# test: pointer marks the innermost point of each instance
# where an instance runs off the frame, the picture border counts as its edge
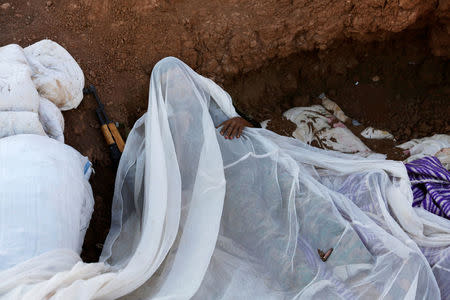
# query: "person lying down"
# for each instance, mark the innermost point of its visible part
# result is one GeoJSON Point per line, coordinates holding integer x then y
{"type": "Point", "coordinates": [236, 212]}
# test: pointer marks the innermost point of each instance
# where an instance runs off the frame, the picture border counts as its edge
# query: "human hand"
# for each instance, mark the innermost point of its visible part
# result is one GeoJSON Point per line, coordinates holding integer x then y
{"type": "Point", "coordinates": [233, 127]}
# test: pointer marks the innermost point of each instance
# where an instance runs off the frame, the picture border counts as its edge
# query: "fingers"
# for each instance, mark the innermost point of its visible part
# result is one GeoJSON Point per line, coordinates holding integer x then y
{"type": "Point", "coordinates": [235, 131]}
{"type": "Point", "coordinates": [225, 126]}
{"type": "Point", "coordinates": [241, 128]}
{"type": "Point", "coordinates": [233, 128]}
{"type": "Point", "coordinates": [229, 131]}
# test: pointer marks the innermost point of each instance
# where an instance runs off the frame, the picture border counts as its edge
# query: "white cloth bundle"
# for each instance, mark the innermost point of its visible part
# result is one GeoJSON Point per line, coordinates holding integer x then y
{"type": "Point", "coordinates": [376, 134]}
{"type": "Point", "coordinates": [437, 145]}
{"type": "Point", "coordinates": [316, 125]}
{"type": "Point", "coordinates": [17, 91]}
{"type": "Point", "coordinates": [19, 99]}
{"type": "Point", "coordinates": [35, 83]}
{"type": "Point", "coordinates": [197, 216]}
{"type": "Point", "coordinates": [56, 74]}
{"type": "Point", "coordinates": [52, 119]}
{"type": "Point", "coordinates": [19, 122]}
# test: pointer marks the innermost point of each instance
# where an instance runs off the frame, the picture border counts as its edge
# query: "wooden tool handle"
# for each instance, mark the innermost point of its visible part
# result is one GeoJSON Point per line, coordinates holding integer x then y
{"type": "Point", "coordinates": [116, 135]}
{"type": "Point", "coordinates": [108, 137]}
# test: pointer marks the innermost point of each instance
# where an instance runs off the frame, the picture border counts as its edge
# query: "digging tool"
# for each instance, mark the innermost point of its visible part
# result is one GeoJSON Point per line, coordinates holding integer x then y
{"type": "Point", "coordinates": [109, 129]}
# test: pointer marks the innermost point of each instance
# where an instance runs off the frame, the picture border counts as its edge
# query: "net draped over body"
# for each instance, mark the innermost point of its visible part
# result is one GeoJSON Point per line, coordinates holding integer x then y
{"type": "Point", "coordinates": [198, 216]}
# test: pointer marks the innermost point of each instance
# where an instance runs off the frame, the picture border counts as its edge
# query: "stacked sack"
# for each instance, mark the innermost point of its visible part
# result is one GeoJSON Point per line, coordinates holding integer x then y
{"type": "Point", "coordinates": [46, 200]}
{"type": "Point", "coordinates": [35, 84]}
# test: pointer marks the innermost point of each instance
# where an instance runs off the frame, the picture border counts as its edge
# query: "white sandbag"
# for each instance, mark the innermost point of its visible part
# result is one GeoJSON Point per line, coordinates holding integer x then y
{"type": "Point", "coordinates": [56, 74]}
{"type": "Point", "coordinates": [376, 134]}
{"type": "Point", "coordinates": [51, 119]}
{"type": "Point", "coordinates": [17, 91]}
{"type": "Point", "coordinates": [45, 198]}
{"type": "Point", "coordinates": [434, 145]}
{"type": "Point", "coordinates": [19, 122]}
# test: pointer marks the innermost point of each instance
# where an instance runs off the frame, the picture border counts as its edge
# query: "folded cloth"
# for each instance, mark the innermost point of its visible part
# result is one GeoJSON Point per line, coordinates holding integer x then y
{"type": "Point", "coordinates": [430, 183]}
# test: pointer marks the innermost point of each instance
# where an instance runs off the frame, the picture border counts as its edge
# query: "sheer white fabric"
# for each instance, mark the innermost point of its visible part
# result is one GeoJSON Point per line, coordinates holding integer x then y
{"type": "Point", "coordinates": [198, 216]}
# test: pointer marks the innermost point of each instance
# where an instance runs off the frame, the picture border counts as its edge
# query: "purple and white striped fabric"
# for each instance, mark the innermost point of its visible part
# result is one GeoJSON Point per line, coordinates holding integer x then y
{"type": "Point", "coordinates": [430, 183]}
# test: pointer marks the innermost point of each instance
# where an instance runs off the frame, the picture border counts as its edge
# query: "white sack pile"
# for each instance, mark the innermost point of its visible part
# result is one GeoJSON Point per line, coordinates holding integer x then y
{"type": "Point", "coordinates": [35, 83]}
{"type": "Point", "coordinates": [46, 200]}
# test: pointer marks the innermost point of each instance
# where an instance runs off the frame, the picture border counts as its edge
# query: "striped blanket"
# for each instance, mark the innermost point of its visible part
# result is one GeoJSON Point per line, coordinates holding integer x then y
{"type": "Point", "coordinates": [430, 183]}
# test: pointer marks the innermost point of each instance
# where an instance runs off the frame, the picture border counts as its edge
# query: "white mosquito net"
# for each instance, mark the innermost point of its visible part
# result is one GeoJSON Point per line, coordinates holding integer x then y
{"type": "Point", "coordinates": [198, 216]}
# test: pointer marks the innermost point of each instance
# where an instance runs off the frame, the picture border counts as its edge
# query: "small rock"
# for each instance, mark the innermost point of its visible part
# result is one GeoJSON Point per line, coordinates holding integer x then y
{"type": "Point", "coordinates": [376, 78]}
{"type": "Point", "coordinates": [49, 3]}
{"type": "Point", "coordinates": [5, 5]}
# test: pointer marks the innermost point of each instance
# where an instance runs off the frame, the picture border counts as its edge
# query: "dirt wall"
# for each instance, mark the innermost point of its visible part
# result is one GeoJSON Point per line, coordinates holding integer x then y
{"type": "Point", "coordinates": [218, 38]}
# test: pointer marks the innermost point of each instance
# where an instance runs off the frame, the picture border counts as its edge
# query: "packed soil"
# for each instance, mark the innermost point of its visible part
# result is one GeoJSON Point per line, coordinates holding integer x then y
{"type": "Point", "coordinates": [375, 61]}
